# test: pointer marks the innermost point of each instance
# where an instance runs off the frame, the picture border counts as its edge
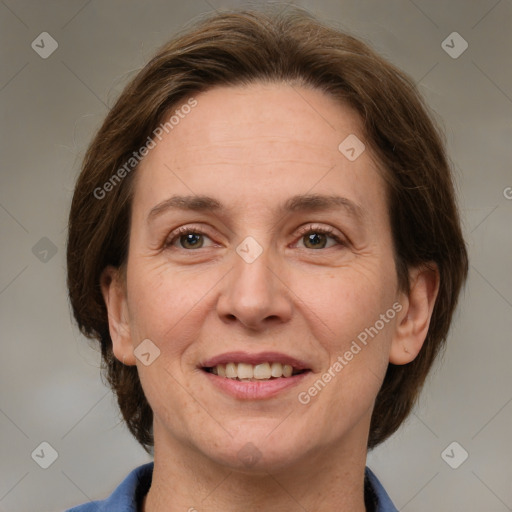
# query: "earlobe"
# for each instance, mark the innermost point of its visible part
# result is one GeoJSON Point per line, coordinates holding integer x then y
{"type": "Point", "coordinates": [114, 295]}
{"type": "Point", "coordinates": [412, 326]}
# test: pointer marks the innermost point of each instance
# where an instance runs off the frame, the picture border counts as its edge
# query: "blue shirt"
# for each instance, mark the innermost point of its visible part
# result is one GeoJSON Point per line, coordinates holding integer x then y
{"type": "Point", "coordinates": [128, 496]}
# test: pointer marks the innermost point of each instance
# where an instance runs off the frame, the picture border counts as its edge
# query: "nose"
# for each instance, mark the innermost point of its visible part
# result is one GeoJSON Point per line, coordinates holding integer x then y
{"type": "Point", "coordinates": [255, 294]}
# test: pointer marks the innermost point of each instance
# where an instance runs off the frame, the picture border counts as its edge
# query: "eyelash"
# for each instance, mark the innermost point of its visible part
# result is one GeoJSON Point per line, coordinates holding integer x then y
{"type": "Point", "coordinates": [325, 231]}
{"type": "Point", "coordinates": [304, 231]}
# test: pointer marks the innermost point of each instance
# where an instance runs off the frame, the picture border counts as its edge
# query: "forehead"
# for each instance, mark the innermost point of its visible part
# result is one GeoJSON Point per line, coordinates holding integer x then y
{"type": "Point", "coordinates": [307, 122]}
{"type": "Point", "coordinates": [258, 144]}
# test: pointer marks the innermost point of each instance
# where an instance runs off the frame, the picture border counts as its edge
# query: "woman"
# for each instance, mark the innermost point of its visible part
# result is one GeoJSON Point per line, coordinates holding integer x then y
{"type": "Point", "coordinates": [265, 241]}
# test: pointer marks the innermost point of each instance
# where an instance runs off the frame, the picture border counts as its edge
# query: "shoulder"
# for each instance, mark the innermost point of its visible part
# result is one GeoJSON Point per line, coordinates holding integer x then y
{"type": "Point", "coordinates": [376, 497]}
{"type": "Point", "coordinates": [126, 497]}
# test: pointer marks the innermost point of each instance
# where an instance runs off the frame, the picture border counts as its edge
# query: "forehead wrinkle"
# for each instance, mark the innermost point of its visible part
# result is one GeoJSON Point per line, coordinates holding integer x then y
{"type": "Point", "coordinates": [243, 163]}
{"type": "Point", "coordinates": [241, 142]}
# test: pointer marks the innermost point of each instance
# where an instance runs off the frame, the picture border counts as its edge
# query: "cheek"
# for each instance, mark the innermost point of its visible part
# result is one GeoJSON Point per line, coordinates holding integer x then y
{"type": "Point", "coordinates": [357, 305]}
{"type": "Point", "coordinates": [351, 299]}
{"type": "Point", "coordinates": [161, 297]}
{"type": "Point", "coordinates": [357, 344]}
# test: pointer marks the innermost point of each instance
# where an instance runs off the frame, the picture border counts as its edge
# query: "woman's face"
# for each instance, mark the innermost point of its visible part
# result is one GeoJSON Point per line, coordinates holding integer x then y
{"type": "Point", "coordinates": [256, 175]}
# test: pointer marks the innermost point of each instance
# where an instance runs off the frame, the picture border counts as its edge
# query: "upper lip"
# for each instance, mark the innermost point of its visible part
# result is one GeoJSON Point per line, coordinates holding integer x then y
{"type": "Point", "coordinates": [254, 359]}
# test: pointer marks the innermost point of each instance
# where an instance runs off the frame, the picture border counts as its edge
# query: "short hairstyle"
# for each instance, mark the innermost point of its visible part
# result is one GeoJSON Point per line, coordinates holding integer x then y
{"type": "Point", "coordinates": [266, 46]}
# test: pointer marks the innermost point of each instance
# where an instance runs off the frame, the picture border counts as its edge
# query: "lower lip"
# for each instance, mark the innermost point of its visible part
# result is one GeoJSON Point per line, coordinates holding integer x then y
{"type": "Point", "coordinates": [254, 390]}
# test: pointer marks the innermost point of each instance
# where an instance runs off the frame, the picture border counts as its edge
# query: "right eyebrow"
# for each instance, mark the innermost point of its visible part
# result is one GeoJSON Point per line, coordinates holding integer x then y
{"type": "Point", "coordinates": [194, 203]}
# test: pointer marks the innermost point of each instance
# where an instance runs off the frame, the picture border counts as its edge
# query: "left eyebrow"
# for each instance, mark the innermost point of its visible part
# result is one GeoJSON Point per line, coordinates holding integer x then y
{"type": "Point", "coordinates": [319, 202]}
{"type": "Point", "coordinates": [301, 202]}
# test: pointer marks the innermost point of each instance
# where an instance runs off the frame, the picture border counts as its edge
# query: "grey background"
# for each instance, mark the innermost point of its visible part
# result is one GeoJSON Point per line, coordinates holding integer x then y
{"type": "Point", "coordinates": [50, 385]}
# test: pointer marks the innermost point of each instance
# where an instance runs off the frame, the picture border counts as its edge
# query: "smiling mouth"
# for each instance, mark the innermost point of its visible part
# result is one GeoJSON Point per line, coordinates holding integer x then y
{"type": "Point", "coordinates": [259, 372]}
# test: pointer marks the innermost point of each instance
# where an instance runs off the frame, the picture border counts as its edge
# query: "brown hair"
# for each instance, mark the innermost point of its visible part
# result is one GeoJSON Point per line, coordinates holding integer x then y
{"type": "Point", "coordinates": [243, 47]}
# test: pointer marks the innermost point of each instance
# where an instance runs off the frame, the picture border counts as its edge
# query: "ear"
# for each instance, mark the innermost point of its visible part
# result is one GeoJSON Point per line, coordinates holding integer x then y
{"type": "Point", "coordinates": [414, 320]}
{"type": "Point", "coordinates": [113, 288]}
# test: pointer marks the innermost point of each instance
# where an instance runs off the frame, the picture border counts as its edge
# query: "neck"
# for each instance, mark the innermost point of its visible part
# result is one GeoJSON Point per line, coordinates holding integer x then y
{"type": "Point", "coordinates": [186, 480]}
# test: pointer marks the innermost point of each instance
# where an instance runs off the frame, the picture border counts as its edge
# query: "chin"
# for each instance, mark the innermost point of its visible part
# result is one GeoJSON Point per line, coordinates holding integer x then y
{"type": "Point", "coordinates": [259, 451]}
{"type": "Point", "coordinates": [251, 460]}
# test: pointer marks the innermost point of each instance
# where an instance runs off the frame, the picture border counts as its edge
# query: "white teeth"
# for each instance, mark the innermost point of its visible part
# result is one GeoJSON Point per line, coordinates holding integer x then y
{"type": "Point", "coordinates": [277, 369]}
{"type": "Point", "coordinates": [244, 371]}
{"type": "Point", "coordinates": [231, 371]}
{"type": "Point", "coordinates": [262, 371]}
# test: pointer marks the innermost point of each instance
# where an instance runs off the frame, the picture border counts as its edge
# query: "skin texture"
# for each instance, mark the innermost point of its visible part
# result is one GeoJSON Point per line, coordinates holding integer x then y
{"type": "Point", "coordinates": [252, 148]}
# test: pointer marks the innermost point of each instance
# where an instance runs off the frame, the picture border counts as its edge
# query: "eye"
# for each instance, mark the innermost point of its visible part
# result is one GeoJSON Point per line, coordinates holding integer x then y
{"type": "Point", "coordinates": [315, 237]}
{"type": "Point", "coordinates": [188, 238]}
